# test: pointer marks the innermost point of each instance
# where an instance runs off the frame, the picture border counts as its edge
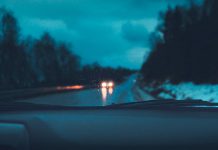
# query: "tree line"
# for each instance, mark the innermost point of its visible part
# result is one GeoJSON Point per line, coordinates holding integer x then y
{"type": "Point", "coordinates": [185, 45]}
{"type": "Point", "coordinates": [29, 62]}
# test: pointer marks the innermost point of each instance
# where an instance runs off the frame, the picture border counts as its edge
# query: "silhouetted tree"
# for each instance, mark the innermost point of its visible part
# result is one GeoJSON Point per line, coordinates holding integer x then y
{"type": "Point", "coordinates": [68, 63]}
{"type": "Point", "coordinates": [46, 61]}
{"type": "Point", "coordinates": [29, 62]}
{"type": "Point", "coordinates": [188, 49]}
{"type": "Point", "coordinates": [15, 71]}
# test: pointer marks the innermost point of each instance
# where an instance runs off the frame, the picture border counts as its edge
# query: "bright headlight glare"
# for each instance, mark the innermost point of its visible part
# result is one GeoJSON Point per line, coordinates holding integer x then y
{"type": "Point", "coordinates": [110, 84]}
{"type": "Point", "coordinates": [103, 84]}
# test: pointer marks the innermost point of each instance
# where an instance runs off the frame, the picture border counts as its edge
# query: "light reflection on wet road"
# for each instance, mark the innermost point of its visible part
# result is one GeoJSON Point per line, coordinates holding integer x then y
{"type": "Point", "coordinates": [110, 91]}
{"type": "Point", "coordinates": [106, 93]}
{"type": "Point", "coordinates": [122, 93]}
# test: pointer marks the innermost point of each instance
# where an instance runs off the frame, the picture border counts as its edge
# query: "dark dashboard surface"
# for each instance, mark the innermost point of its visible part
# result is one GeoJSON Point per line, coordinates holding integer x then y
{"type": "Point", "coordinates": [111, 128]}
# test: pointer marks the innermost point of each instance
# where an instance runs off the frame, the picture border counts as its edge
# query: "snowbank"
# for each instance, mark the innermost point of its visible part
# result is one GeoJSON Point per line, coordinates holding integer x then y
{"type": "Point", "coordinates": [187, 90]}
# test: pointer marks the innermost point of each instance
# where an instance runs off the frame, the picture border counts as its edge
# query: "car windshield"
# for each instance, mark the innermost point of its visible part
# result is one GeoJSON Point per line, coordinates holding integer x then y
{"type": "Point", "coordinates": [100, 53]}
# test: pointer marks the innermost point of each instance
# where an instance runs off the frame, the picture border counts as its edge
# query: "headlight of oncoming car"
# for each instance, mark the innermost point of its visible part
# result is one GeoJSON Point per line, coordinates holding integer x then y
{"type": "Point", "coordinates": [104, 84]}
{"type": "Point", "coordinates": [110, 84]}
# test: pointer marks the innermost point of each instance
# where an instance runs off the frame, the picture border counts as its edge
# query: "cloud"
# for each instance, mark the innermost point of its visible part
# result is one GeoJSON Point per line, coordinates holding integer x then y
{"type": "Point", "coordinates": [50, 24]}
{"type": "Point", "coordinates": [74, 10]}
{"type": "Point", "coordinates": [134, 32]}
{"type": "Point", "coordinates": [136, 55]}
{"type": "Point", "coordinates": [112, 32]}
{"type": "Point", "coordinates": [132, 58]}
{"type": "Point", "coordinates": [57, 28]}
{"type": "Point", "coordinates": [98, 41]}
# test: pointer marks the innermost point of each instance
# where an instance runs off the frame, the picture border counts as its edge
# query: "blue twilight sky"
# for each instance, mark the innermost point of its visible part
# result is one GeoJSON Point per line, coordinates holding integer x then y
{"type": "Point", "coordinates": [111, 32]}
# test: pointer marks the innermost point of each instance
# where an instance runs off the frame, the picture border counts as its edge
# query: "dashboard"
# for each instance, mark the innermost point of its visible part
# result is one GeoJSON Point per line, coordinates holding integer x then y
{"type": "Point", "coordinates": [108, 129]}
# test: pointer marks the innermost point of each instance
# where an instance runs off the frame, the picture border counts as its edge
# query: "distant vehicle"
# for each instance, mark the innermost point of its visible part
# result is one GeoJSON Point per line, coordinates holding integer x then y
{"type": "Point", "coordinates": [107, 84]}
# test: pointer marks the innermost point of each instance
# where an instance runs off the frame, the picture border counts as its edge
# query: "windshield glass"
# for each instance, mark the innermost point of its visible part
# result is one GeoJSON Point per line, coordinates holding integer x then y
{"type": "Point", "coordinates": [98, 53]}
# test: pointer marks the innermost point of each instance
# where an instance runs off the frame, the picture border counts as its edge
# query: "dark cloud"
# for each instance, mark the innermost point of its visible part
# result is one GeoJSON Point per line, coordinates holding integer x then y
{"type": "Point", "coordinates": [112, 32]}
{"type": "Point", "coordinates": [98, 9]}
{"type": "Point", "coordinates": [136, 33]}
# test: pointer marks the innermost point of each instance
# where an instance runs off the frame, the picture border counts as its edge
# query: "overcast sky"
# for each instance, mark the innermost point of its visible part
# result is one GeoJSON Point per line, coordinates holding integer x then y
{"type": "Point", "coordinates": [111, 32]}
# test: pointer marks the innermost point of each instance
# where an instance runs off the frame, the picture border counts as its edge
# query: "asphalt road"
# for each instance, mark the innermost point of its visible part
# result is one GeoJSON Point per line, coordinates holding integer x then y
{"type": "Point", "coordinates": [123, 93]}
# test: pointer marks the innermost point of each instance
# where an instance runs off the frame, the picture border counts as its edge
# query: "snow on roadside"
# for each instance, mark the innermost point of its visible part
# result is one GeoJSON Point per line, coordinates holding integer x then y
{"type": "Point", "coordinates": [188, 90]}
